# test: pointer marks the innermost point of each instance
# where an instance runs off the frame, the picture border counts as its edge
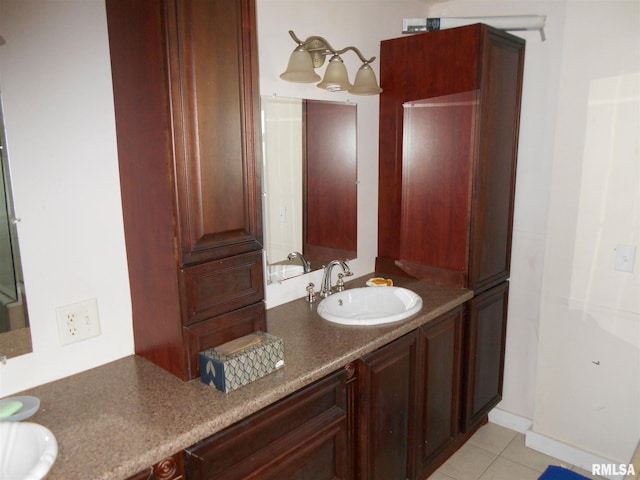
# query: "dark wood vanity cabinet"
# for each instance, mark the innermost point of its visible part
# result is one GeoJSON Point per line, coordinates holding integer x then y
{"type": "Point", "coordinates": [409, 408]}
{"type": "Point", "coordinates": [393, 414]}
{"type": "Point", "coordinates": [186, 105]}
{"type": "Point", "coordinates": [449, 118]}
{"type": "Point", "coordinates": [306, 436]}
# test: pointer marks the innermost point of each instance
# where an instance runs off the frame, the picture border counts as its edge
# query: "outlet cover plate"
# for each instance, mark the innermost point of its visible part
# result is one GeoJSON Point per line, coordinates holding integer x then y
{"type": "Point", "coordinates": [78, 321]}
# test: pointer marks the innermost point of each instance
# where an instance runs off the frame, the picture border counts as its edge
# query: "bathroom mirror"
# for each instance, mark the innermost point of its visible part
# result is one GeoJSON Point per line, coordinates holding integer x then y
{"type": "Point", "coordinates": [15, 337]}
{"type": "Point", "coordinates": [309, 183]}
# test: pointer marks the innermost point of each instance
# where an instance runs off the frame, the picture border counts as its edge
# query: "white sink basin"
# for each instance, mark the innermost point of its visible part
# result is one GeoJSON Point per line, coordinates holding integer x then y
{"type": "Point", "coordinates": [282, 272]}
{"type": "Point", "coordinates": [370, 305]}
{"type": "Point", "coordinates": [27, 451]}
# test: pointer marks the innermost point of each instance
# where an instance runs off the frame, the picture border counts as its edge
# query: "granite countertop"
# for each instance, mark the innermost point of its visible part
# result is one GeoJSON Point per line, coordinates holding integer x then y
{"type": "Point", "coordinates": [117, 419]}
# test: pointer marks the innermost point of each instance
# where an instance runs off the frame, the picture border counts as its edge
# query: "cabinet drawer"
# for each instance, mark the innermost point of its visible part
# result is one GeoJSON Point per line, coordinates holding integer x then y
{"type": "Point", "coordinates": [301, 436]}
{"type": "Point", "coordinates": [221, 286]}
{"type": "Point", "coordinates": [218, 330]}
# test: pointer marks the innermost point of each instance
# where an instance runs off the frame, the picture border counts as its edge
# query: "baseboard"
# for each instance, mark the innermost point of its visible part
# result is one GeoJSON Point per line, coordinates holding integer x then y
{"type": "Point", "coordinates": [510, 420]}
{"type": "Point", "coordinates": [549, 446]}
{"type": "Point", "coordinates": [568, 453]}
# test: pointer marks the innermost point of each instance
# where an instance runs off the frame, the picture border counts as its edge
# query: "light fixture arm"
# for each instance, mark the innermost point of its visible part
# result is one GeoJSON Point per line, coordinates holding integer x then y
{"type": "Point", "coordinates": [358, 52]}
{"type": "Point", "coordinates": [312, 52]}
{"type": "Point", "coordinates": [319, 45]}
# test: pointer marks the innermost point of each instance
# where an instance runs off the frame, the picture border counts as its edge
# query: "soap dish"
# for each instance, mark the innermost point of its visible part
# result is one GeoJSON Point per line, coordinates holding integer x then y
{"type": "Point", "coordinates": [379, 282]}
{"type": "Point", "coordinates": [30, 406]}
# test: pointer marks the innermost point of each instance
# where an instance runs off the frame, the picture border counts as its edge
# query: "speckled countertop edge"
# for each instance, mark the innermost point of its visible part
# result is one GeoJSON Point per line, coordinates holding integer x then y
{"type": "Point", "coordinates": [117, 419]}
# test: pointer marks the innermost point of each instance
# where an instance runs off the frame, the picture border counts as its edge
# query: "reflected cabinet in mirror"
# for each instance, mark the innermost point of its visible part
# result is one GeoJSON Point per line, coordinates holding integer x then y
{"type": "Point", "coordinates": [309, 185]}
{"type": "Point", "coordinates": [15, 337]}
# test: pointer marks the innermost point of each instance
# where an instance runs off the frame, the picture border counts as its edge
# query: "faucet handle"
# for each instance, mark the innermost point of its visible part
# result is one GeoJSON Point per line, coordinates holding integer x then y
{"type": "Point", "coordinates": [340, 284]}
{"type": "Point", "coordinates": [311, 294]}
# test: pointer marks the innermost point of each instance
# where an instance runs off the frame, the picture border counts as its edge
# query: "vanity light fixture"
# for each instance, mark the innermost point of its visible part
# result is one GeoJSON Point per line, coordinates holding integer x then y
{"type": "Point", "coordinates": [311, 54]}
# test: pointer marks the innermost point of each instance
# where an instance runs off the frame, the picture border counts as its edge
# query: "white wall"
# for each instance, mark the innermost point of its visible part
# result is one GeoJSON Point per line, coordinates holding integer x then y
{"type": "Point", "coordinates": [588, 387]}
{"type": "Point", "coordinates": [55, 82]}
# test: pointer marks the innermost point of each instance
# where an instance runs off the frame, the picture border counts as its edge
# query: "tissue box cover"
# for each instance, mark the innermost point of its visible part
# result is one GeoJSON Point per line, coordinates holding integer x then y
{"type": "Point", "coordinates": [228, 372]}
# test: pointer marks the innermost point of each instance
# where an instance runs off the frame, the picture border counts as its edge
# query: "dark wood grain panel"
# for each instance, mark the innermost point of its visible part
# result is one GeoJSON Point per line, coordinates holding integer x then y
{"type": "Point", "coordinates": [388, 390]}
{"type": "Point", "coordinates": [439, 406]}
{"type": "Point", "coordinates": [303, 436]}
{"type": "Point", "coordinates": [215, 114]}
{"type": "Point", "coordinates": [438, 156]}
{"type": "Point", "coordinates": [220, 286]}
{"type": "Point", "coordinates": [329, 184]}
{"type": "Point", "coordinates": [484, 356]}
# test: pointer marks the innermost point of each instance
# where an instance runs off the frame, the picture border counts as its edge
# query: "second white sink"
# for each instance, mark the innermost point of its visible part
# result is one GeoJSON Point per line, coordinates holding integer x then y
{"type": "Point", "coordinates": [27, 450]}
{"type": "Point", "coordinates": [370, 305]}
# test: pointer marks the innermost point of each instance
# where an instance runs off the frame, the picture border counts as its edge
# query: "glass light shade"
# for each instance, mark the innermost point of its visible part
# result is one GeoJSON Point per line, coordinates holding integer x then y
{"type": "Point", "coordinates": [365, 83]}
{"type": "Point", "coordinates": [336, 77]}
{"type": "Point", "coordinates": [300, 67]}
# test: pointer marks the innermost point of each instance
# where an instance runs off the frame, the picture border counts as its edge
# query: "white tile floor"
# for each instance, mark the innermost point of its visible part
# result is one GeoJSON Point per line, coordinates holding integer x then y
{"type": "Point", "coordinates": [497, 453]}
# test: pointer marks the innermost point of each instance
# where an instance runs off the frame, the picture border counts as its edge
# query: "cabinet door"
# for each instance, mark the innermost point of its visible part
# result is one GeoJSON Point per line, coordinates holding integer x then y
{"type": "Point", "coordinates": [386, 406]}
{"type": "Point", "coordinates": [302, 437]}
{"type": "Point", "coordinates": [213, 70]}
{"type": "Point", "coordinates": [495, 174]}
{"type": "Point", "coordinates": [439, 386]}
{"type": "Point", "coordinates": [484, 356]}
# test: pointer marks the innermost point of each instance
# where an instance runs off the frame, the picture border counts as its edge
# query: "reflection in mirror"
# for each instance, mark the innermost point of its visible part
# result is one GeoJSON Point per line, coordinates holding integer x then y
{"type": "Point", "coordinates": [15, 338]}
{"type": "Point", "coordinates": [309, 185]}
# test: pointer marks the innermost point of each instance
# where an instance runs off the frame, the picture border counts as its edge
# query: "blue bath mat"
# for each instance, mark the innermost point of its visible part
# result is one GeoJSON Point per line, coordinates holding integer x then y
{"type": "Point", "coordinates": [560, 473]}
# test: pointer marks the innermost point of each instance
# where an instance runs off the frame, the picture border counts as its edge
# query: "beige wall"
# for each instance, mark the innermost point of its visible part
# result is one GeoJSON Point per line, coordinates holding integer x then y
{"type": "Point", "coordinates": [588, 371]}
{"type": "Point", "coordinates": [55, 81]}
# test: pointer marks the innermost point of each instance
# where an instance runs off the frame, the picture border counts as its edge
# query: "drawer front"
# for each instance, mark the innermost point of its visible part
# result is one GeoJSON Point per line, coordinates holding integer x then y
{"type": "Point", "coordinates": [218, 330]}
{"type": "Point", "coordinates": [220, 286]}
{"type": "Point", "coordinates": [303, 434]}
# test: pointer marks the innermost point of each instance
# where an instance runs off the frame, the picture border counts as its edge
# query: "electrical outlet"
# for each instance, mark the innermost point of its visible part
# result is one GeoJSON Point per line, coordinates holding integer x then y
{"type": "Point", "coordinates": [78, 321]}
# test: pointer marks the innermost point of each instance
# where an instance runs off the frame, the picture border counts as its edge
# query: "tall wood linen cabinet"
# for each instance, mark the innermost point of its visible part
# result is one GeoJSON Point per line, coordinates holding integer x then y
{"type": "Point", "coordinates": [449, 119]}
{"type": "Point", "coordinates": [186, 102]}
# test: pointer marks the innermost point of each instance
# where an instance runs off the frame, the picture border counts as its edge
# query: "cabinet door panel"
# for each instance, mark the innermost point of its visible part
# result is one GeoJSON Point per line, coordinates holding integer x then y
{"type": "Point", "coordinates": [387, 404]}
{"type": "Point", "coordinates": [485, 344]}
{"type": "Point", "coordinates": [438, 420]}
{"type": "Point", "coordinates": [214, 106]}
{"type": "Point", "coordinates": [438, 156]}
{"type": "Point", "coordinates": [494, 185]}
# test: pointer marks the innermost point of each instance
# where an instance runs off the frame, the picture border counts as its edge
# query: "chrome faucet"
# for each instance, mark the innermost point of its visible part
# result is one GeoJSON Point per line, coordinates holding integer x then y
{"type": "Point", "coordinates": [306, 266]}
{"type": "Point", "coordinates": [326, 289]}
